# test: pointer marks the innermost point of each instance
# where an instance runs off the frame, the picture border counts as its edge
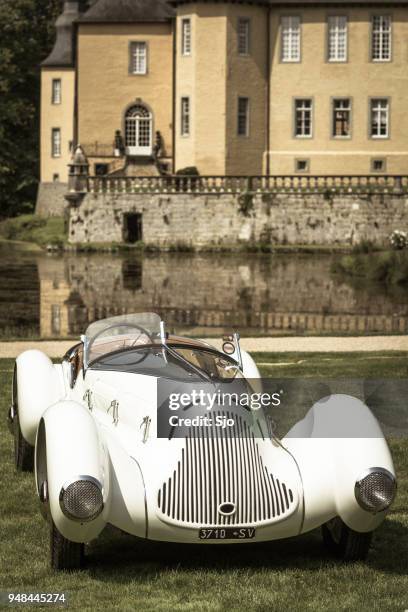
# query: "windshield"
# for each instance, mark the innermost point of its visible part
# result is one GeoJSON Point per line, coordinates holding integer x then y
{"type": "Point", "coordinates": [216, 366]}
{"type": "Point", "coordinates": [171, 361]}
{"type": "Point", "coordinates": [117, 333]}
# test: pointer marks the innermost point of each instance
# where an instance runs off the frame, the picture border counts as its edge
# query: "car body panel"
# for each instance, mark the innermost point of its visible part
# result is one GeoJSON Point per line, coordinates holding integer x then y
{"type": "Point", "coordinates": [102, 424]}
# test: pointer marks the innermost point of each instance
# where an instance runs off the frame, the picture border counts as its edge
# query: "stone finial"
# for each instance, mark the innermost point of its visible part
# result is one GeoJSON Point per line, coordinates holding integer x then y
{"type": "Point", "coordinates": [78, 174]}
{"type": "Point", "coordinates": [79, 158]}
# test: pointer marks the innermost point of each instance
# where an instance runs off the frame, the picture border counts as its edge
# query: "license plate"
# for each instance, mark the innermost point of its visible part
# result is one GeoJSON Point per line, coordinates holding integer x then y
{"type": "Point", "coordinates": [244, 533]}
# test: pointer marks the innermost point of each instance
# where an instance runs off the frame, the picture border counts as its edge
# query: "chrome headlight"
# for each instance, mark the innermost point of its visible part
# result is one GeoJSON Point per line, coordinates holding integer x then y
{"type": "Point", "coordinates": [376, 491]}
{"type": "Point", "coordinates": [82, 499]}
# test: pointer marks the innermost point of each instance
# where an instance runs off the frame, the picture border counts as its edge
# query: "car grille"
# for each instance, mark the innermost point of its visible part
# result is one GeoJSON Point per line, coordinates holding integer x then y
{"type": "Point", "coordinates": [216, 470]}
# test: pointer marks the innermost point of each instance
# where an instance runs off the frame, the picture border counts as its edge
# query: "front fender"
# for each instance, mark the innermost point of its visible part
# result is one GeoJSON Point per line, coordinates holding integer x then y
{"type": "Point", "coordinates": [39, 385]}
{"type": "Point", "coordinates": [335, 445]}
{"type": "Point", "coordinates": [68, 446]}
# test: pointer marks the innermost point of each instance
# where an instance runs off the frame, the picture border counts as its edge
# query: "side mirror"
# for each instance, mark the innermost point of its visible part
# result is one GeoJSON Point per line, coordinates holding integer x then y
{"type": "Point", "coordinates": [228, 347]}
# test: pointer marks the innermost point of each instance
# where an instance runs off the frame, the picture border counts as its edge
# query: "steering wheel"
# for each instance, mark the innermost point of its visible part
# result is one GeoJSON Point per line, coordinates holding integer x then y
{"type": "Point", "coordinates": [141, 329]}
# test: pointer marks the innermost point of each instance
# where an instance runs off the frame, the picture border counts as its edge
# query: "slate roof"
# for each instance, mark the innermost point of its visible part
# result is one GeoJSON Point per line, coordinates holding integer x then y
{"type": "Point", "coordinates": [128, 11]}
{"type": "Point", "coordinates": [299, 2]}
{"type": "Point", "coordinates": [62, 55]}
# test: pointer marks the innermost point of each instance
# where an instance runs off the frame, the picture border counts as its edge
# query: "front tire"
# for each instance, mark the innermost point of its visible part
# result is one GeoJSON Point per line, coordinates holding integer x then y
{"type": "Point", "coordinates": [23, 451]}
{"type": "Point", "coordinates": [65, 555]}
{"type": "Point", "coordinates": [344, 543]}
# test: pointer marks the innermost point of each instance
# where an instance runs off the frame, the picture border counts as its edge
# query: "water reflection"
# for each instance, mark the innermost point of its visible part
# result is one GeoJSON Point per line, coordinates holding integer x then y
{"type": "Point", "coordinates": [204, 294]}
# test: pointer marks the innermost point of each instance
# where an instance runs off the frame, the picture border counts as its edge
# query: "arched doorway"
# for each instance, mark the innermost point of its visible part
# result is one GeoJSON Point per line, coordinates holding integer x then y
{"type": "Point", "coordinates": [139, 130]}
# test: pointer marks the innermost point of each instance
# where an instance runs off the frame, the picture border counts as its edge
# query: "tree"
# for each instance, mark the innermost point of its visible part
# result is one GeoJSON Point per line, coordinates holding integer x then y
{"type": "Point", "coordinates": [26, 38]}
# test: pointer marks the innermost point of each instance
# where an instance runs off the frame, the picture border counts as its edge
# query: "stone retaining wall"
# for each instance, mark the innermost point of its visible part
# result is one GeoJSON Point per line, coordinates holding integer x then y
{"type": "Point", "coordinates": [206, 221]}
{"type": "Point", "coordinates": [51, 200]}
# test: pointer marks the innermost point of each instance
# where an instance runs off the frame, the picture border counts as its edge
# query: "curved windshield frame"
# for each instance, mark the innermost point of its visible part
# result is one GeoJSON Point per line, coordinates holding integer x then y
{"type": "Point", "coordinates": [119, 333]}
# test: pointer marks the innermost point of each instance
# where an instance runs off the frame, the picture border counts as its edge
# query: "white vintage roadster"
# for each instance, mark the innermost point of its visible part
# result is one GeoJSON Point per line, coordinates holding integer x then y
{"type": "Point", "coordinates": [89, 428]}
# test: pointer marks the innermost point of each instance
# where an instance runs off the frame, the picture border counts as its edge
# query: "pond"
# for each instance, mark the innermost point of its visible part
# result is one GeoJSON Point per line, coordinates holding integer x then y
{"type": "Point", "coordinates": [56, 296]}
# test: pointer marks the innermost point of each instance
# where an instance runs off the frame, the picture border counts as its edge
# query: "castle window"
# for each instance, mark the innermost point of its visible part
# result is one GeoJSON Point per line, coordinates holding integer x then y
{"type": "Point", "coordinates": [138, 58]}
{"type": "Point", "coordinates": [341, 118]}
{"type": "Point", "coordinates": [302, 165]}
{"type": "Point", "coordinates": [244, 27]}
{"type": "Point", "coordinates": [101, 169]}
{"type": "Point", "coordinates": [381, 39]}
{"type": "Point", "coordinates": [337, 43]}
{"type": "Point", "coordinates": [243, 116]}
{"type": "Point", "coordinates": [185, 116]}
{"type": "Point", "coordinates": [380, 118]}
{"type": "Point", "coordinates": [290, 42]}
{"type": "Point", "coordinates": [304, 118]}
{"type": "Point", "coordinates": [56, 142]}
{"type": "Point", "coordinates": [186, 36]}
{"type": "Point", "coordinates": [56, 91]}
{"type": "Point", "coordinates": [378, 165]}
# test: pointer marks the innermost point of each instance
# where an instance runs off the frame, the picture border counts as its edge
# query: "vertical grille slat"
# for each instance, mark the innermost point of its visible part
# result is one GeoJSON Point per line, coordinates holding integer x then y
{"type": "Point", "coordinates": [217, 468]}
{"type": "Point", "coordinates": [241, 508]}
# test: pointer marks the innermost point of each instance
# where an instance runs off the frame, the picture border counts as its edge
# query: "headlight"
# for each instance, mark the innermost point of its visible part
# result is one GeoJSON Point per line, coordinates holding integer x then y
{"type": "Point", "coordinates": [82, 499]}
{"type": "Point", "coordinates": [376, 491]}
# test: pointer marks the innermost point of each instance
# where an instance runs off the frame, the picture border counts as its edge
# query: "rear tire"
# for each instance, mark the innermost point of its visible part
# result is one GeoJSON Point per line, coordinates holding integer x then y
{"type": "Point", "coordinates": [23, 451]}
{"type": "Point", "coordinates": [65, 555]}
{"type": "Point", "coordinates": [344, 543]}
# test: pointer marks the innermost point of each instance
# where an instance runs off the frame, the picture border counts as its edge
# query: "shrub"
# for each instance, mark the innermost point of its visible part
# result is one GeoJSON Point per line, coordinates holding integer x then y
{"type": "Point", "coordinates": [399, 240]}
{"type": "Point", "coordinates": [182, 183]}
{"type": "Point", "coordinates": [365, 246]}
{"type": "Point", "coordinates": [189, 171]}
{"type": "Point", "coordinates": [387, 267]}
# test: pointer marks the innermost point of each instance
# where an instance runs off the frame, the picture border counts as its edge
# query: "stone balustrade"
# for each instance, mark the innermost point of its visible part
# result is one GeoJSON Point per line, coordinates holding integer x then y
{"type": "Point", "coordinates": [202, 185]}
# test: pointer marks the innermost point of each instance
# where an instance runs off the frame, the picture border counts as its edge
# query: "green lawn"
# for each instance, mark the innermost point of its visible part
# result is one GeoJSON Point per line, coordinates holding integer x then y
{"type": "Point", "coordinates": [333, 365]}
{"type": "Point", "coordinates": [33, 229]}
{"type": "Point", "coordinates": [127, 574]}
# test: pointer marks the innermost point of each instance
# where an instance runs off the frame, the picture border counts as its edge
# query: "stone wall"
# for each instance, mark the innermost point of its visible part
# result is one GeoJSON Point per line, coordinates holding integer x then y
{"type": "Point", "coordinates": [211, 221]}
{"type": "Point", "coordinates": [51, 200]}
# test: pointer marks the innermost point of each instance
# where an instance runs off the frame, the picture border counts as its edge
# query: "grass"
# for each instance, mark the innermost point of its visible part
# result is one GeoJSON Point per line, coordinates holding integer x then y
{"type": "Point", "coordinates": [333, 365]}
{"type": "Point", "coordinates": [128, 574]}
{"type": "Point", "coordinates": [388, 267]}
{"type": "Point", "coordinates": [33, 229]}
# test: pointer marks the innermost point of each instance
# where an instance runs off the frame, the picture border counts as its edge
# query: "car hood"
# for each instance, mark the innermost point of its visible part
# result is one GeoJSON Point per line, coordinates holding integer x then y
{"type": "Point", "coordinates": [189, 478]}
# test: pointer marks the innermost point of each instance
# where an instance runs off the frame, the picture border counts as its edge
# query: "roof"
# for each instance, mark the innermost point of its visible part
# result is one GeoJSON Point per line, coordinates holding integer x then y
{"type": "Point", "coordinates": [62, 54]}
{"type": "Point", "coordinates": [297, 2]}
{"type": "Point", "coordinates": [128, 11]}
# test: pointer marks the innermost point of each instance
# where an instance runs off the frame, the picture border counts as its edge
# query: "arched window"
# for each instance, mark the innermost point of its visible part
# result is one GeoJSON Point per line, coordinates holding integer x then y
{"type": "Point", "coordinates": [139, 130]}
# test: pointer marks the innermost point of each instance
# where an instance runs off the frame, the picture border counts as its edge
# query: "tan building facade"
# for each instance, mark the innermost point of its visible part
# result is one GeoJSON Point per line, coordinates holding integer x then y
{"type": "Point", "coordinates": [231, 88]}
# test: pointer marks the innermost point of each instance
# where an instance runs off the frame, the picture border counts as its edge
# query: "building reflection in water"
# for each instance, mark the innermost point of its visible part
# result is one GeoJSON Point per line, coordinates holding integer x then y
{"type": "Point", "coordinates": [209, 294]}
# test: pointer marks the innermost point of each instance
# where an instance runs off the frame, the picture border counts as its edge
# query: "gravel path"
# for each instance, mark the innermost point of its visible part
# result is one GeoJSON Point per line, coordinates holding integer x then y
{"type": "Point", "coordinates": [262, 345]}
